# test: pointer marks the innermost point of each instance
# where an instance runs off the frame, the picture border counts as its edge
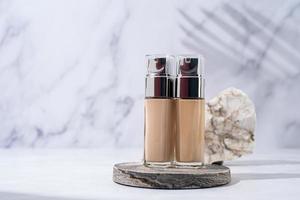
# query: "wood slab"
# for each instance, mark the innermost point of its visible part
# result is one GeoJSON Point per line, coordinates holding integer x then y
{"type": "Point", "coordinates": [138, 175]}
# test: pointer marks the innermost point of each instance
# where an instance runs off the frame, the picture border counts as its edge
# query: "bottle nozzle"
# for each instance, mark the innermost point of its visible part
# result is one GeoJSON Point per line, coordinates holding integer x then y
{"type": "Point", "coordinates": [158, 82]}
{"type": "Point", "coordinates": [189, 65]}
{"type": "Point", "coordinates": [190, 80]}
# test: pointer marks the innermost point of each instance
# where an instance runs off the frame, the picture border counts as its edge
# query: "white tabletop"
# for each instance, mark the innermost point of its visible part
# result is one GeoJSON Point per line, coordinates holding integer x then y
{"type": "Point", "coordinates": [54, 174]}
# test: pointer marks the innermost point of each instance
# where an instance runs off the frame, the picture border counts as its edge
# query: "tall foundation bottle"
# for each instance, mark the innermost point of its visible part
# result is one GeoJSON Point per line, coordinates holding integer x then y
{"type": "Point", "coordinates": [189, 145]}
{"type": "Point", "coordinates": [159, 107]}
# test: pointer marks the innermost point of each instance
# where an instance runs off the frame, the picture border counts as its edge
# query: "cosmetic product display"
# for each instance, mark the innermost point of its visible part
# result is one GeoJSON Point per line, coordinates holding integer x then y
{"type": "Point", "coordinates": [190, 104]}
{"type": "Point", "coordinates": [174, 128]}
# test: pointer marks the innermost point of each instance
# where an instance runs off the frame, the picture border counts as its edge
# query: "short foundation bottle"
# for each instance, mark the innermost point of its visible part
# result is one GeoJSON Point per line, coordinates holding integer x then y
{"type": "Point", "coordinates": [158, 110]}
{"type": "Point", "coordinates": [190, 128]}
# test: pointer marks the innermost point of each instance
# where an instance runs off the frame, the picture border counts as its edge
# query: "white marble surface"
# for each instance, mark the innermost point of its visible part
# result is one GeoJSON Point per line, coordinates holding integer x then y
{"type": "Point", "coordinates": [72, 71]}
{"type": "Point", "coordinates": [67, 174]}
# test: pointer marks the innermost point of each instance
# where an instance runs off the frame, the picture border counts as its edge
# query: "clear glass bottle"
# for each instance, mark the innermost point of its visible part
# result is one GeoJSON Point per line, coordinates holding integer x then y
{"type": "Point", "coordinates": [190, 102]}
{"type": "Point", "coordinates": [159, 107]}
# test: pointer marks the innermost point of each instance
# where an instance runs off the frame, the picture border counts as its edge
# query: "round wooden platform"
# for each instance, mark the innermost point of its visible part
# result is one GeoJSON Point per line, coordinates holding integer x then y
{"type": "Point", "coordinates": [137, 175]}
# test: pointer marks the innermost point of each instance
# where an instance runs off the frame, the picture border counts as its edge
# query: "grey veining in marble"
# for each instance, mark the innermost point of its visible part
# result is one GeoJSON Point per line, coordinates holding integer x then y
{"type": "Point", "coordinates": [72, 72]}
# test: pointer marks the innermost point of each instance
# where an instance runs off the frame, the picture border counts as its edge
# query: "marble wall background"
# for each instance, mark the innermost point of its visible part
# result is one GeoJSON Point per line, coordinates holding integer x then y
{"type": "Point", "coordinates": [72, 72]}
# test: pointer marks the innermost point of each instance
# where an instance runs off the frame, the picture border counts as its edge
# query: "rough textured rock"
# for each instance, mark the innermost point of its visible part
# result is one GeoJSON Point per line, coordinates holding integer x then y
{"type": "Point", "coordinates": [137, 175]}
{"type": "Point", "coordinates": [230, 125]}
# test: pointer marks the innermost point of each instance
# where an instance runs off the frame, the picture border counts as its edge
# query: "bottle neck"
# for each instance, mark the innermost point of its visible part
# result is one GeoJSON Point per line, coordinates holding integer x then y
{"type": "Point", "coordinates": [158, 87]}
{"type": "Point", "coordinates": [190, 87]}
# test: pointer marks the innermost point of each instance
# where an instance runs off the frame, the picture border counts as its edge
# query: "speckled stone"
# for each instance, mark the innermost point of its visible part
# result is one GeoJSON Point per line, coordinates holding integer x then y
{"type": "Point", "coordinates": [230, 124]}
{"type": "Point", "coordinates": [138, 175]}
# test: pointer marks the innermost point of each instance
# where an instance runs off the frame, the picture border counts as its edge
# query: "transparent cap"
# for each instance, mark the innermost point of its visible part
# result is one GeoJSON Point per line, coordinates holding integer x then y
{"type": "Point", "coordinates": [190, 65]}
{"type": "Point", "coordinates": [160, 65]}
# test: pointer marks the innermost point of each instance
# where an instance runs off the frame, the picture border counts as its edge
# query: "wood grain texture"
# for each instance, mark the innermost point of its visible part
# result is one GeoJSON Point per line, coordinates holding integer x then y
{"type": "Point", "coordinates": [137, 175]}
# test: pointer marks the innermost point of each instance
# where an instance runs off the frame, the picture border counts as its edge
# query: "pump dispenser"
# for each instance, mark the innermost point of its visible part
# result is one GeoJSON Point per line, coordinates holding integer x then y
{"type": "Point", "coordinates": [190, 102]}
{"type": "Point", "coordinates": [159, 110]}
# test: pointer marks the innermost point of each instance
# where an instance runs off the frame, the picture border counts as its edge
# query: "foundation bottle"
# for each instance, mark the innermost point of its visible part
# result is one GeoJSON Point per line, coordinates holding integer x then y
{"type": "Point", "coordinates": [190, 108]}
{"type": "Point", "coordinates": [158, 110]}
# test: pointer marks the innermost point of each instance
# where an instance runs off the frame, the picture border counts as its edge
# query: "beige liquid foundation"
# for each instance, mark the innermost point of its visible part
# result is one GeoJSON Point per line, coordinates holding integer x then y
{"type": "Point", "coordinates": [159, 108]}
{"type": "Point", "coordinates": [190, 108]}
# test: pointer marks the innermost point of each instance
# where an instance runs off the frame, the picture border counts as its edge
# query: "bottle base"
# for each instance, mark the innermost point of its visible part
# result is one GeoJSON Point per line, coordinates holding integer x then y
{"type": "Point", "coordinates": [189, 164]}
{"type": "Point", "coordinates": [167, 164]}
